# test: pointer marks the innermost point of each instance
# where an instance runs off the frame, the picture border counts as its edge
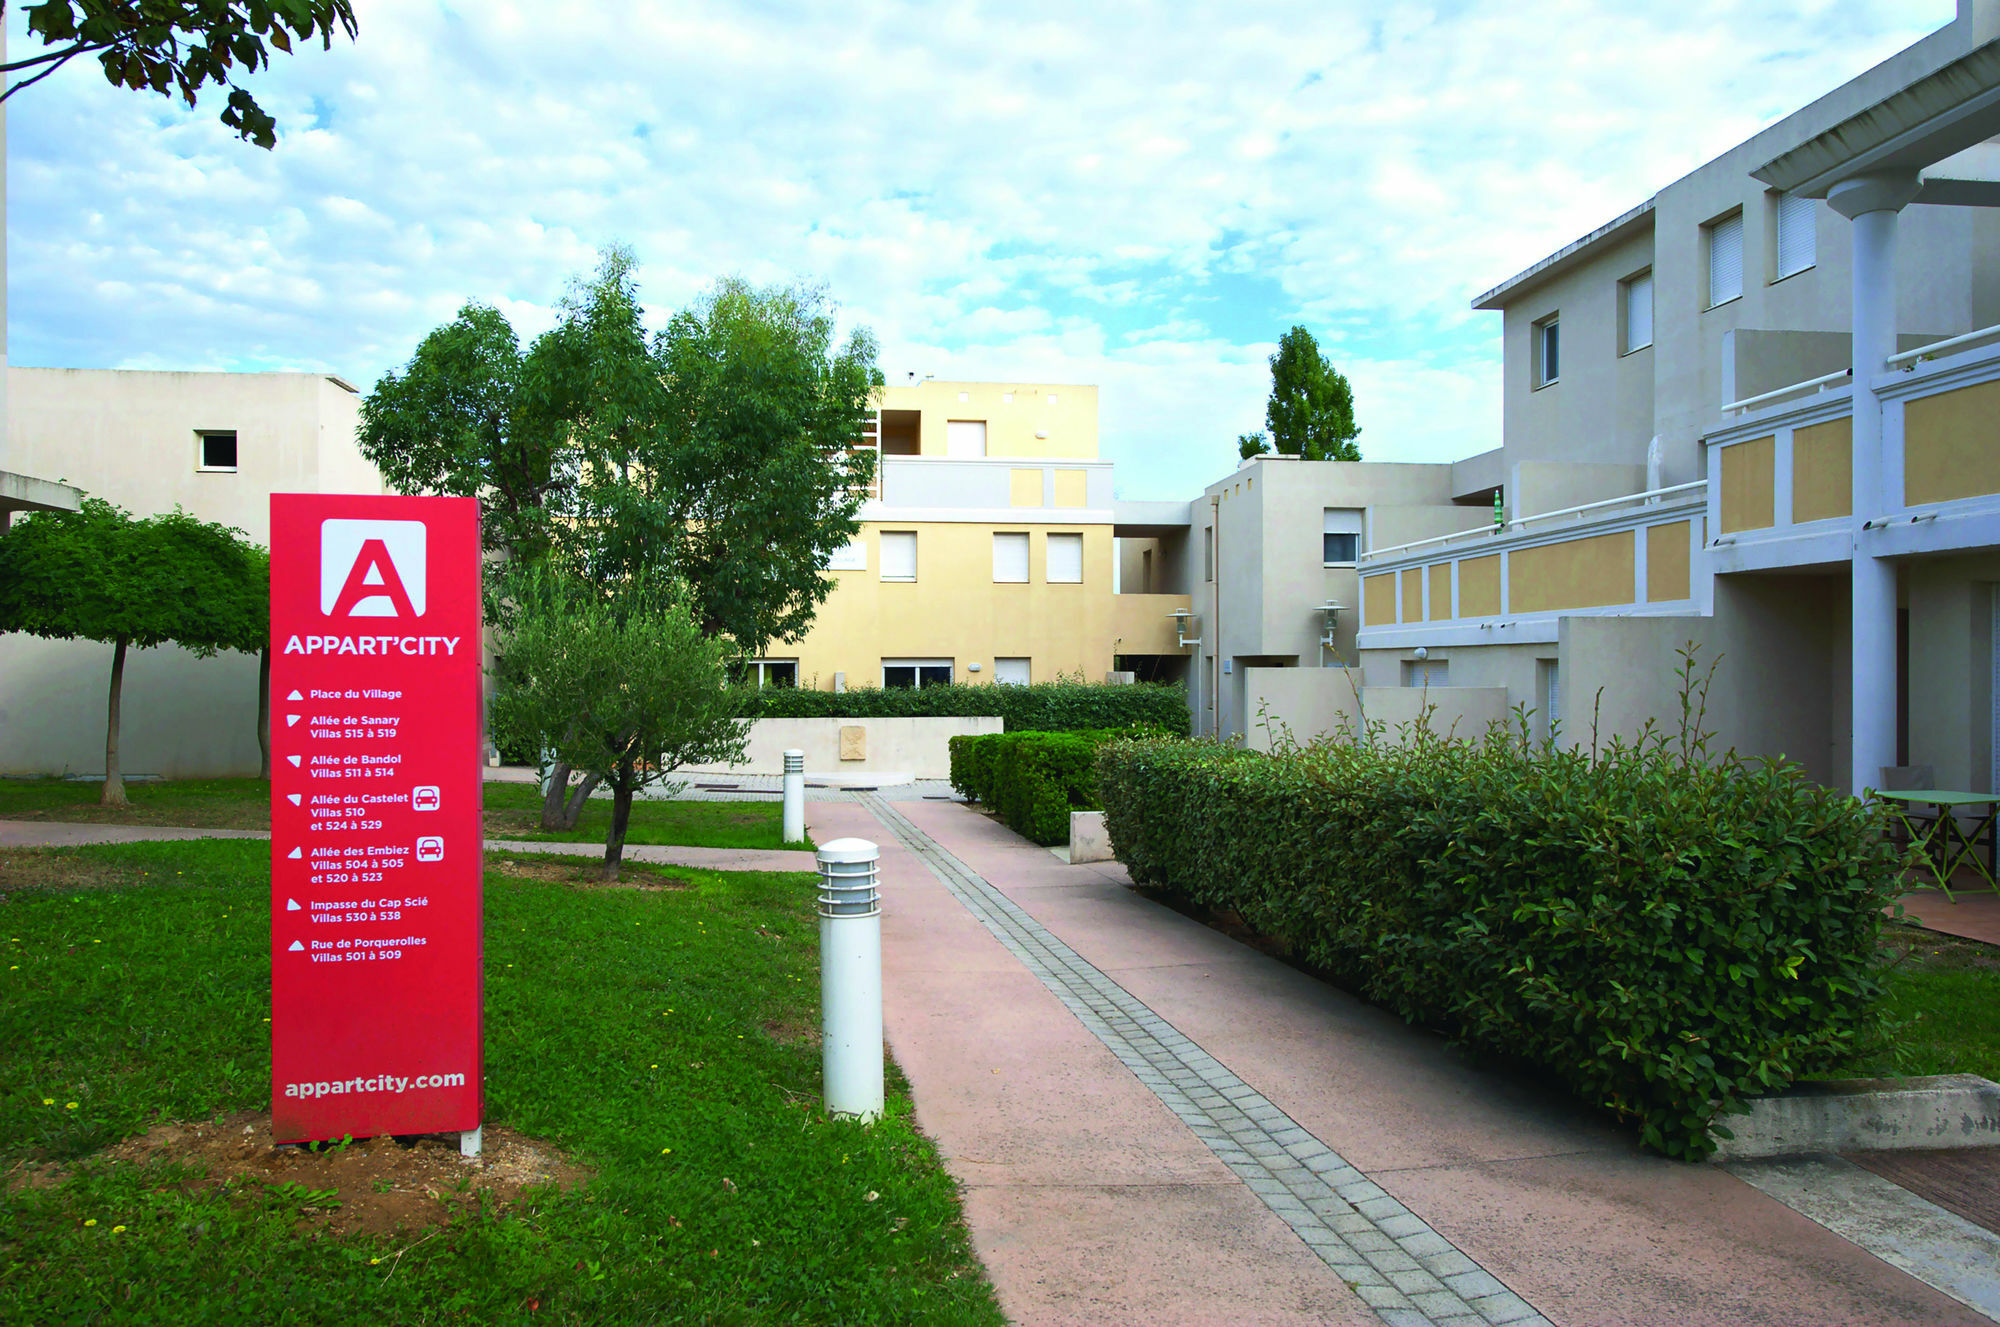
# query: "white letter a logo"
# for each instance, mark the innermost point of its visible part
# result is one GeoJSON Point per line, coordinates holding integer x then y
{"type": "Point", "coordinates": [372, 568]}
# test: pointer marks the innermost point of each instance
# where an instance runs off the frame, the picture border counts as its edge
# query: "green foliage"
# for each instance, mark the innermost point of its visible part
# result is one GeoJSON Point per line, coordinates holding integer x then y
{"type": "Point", "coordinates": [1662, 933]}
{"type": "Point", "coordinates": [1033, 780]}
{"type": "Point", "coordinates": [1311, 411]}
{"type": "Point", "coordinates": [717, 1191]}
{"type": "Point", "coordinates": [1042, 707]}
{"type": "Point", "coordinates": [744, 483]}
{"type": "Point", "coordinates": [1252, 444]}
{"type": "Point", "coordinates": [718, 454]}
{"type": "Point", "coordinates": [177, 47]}
{"type": "Point", "coordinates": [622, 685]}
{"type": "Point", "coordinates": [98, 574]}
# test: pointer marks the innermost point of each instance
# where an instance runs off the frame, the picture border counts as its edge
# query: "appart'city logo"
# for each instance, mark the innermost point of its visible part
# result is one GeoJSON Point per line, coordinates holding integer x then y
{"type": "Point", "coordinates": [372, 568]}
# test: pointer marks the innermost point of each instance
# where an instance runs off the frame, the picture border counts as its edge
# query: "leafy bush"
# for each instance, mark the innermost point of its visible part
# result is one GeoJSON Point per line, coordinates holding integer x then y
{"type": "Point", "coordinates": [1034, 780]}
{"type": "Point", "coordinates": [1044, 707]}
{"type": "Point", "coordinates": [1663, 933]}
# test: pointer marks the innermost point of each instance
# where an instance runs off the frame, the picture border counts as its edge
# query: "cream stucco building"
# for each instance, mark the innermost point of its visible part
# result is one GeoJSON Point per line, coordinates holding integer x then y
{"type": "Point", "coordinates": [216, 445]}
{"type": "Point", "coordinates": [986, 552]}
{"type": "Point", "coordinates": [1755, 414]}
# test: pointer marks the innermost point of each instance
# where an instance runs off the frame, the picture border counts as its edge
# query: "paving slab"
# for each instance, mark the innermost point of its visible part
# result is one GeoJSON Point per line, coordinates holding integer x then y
{"type": "Point", "coordinates": [1087, 1200]}
{"type": "Point", "coordinates": [1555, 1202]}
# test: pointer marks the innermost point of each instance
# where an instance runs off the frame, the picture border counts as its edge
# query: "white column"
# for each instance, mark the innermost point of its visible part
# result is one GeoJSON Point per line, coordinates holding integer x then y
{"type": "Point", "coordinates": [794, 813]}
{"type": "Point", "coordinates": [1872, 203]}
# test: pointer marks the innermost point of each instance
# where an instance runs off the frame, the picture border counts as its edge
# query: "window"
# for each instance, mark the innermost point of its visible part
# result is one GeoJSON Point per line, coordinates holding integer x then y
{"type": "Point", "coordinates": [1010, 558]}
{"type": "Point", "coordinates": [916, 672]}
{"type": "Point", "coordinates": [217, 450]}
{"type": "Point", "coordinates": [1425, 672]}
{"type": "Point", "coordinates": [964, 438]}
{"type": "Point", "coordinates": [1635, 312]}
{"type": "Point", "coordinates": [1794, 222]}
{"type": "Point", "coordinates": [1065, 559]}
{"type": "Point", "coordinates": [899, 555]}
{"type": "Point", "coordinates": [1341, 542]}
{"type": "Point", "coordinates": [1011, 672]}
{"type": "Point", "coordinates": [775, 672]}
{"type": "Point", "coordinates": [1548, 351]}
{"type": "Point", "coordinates": [1725, 259]}
{"type": "Point", "coordinates": [1208, 553]}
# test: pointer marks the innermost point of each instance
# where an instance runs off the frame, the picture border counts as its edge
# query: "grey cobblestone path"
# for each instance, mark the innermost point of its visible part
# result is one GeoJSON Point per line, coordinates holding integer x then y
{"type": "Point", "coordinates": [1401, 1268]}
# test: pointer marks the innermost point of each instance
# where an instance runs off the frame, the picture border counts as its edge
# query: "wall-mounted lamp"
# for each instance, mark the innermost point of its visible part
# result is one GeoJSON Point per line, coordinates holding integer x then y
{"type": "Point", "coordinates": [1184, 622]}
{"type": "Point", "coordinates": [1330, 610]}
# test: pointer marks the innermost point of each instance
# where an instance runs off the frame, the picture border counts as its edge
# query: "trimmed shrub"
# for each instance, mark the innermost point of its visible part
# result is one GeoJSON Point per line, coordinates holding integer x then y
{"type": "Point", "coordinates": [1033, 780]}
{"type": "Point", "coordinates": [1662, 933]}
{"type": "Point", "coordinates": [1044, 707]}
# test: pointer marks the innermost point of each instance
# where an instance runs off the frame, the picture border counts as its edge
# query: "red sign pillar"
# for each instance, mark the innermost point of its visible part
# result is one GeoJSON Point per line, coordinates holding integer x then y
{"type": "Point", "coordinates": [376, 836]}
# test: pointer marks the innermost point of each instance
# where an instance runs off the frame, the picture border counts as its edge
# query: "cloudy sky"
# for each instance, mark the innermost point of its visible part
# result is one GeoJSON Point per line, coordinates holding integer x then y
{"type": "Point", "coordinates": [1137, 196]}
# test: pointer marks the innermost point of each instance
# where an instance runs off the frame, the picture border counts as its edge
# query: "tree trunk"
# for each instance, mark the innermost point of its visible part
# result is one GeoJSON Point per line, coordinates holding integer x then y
{"type": "Point", "coordinates": [554, 798]}
{"type": "Point", "coordinates": [621, 813]}
{"type": "Point", "coordinates": [573, 810]}
{"type": "Point", "coordinates": [264, 712]}
{"type": "Point", "coordinates": [114, 782]}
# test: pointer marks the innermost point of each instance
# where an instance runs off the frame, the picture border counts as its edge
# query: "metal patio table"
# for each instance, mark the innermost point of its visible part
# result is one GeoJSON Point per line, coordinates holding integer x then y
{"type": "Point", "coordinates": [1946, 844]}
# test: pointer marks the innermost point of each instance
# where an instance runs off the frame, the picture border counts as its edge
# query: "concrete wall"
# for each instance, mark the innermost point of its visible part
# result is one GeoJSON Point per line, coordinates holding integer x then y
{"type": "Point", "coordinates": [920, 748]}
{"type": "Point", "coordinates": [1607, 405]}
{"type": "Point", "coordinates": [129, 437]}
{"type": "Point", "coordinates": [1022, 419]}
{"type": "Point", "coordinates": [1951, 668]}
{"type": "Point", "coordinates": [1453, 711]}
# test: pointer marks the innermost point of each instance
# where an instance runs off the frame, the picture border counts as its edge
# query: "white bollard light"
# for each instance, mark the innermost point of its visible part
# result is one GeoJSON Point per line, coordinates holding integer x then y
{"type": "Point", "coordinates": [795, 796]}
{"type": "Point", "coordinates": [850, 978]}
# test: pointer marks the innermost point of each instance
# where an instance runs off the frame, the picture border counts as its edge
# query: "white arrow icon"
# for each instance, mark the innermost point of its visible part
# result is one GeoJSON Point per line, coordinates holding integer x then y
{"type": "Point", "coordinates": [291, 905]}
{"type": "Point", "coordinates": [294, 947]}
{"type": "Point", "coordinates": [291, 719]}
{"type": "Point", "coordinates": [295, 760]}
{"type": "Point", "coordinates": [295, 696]}
{"type": "Point", "coordinates": [294, 798]}
{"type": "Point", "coordinates": [294, 854]}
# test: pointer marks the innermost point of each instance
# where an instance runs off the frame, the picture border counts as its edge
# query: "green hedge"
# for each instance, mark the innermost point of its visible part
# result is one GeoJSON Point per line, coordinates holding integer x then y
{"type": "Point", "coordinates": [1031, 780]}
{"type": "Point", "coordinates": [1663, 934]}
{"type": "Point", "coordinates": [1044, 707]}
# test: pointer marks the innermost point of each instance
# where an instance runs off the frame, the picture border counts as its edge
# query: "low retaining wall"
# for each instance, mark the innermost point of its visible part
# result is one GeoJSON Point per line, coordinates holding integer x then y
{"type": "Point", "coordinates": [1871, 1114]}
{"type": "Point", "coordinates": [919, 748]}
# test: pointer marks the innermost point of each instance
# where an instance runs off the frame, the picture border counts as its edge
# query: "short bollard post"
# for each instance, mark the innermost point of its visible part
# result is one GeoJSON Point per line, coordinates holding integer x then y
{"type": "Point", "coordinates": [850, 978]}
{"type": "Point", "coordinates": [795, 796]}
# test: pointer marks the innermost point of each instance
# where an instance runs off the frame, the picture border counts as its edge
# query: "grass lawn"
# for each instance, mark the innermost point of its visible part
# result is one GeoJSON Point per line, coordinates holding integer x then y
{"type": "Point", "coordinates": [1943, 1005]}
{"type": "Point", "coordinates": [196, 803]}
{"type": "Point", "coordinates": [513, 811]}
{"type": "Point", "coordinates": [621, 1023]}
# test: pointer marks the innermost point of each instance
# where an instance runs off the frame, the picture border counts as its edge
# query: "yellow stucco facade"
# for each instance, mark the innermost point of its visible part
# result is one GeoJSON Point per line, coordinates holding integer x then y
{"type": "Point", "coordinates": [971, 560]}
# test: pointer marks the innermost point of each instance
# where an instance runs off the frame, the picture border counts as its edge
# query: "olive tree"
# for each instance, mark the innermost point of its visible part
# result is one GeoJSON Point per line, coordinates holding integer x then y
{"type": "Point", "coordinates": [620, 683]}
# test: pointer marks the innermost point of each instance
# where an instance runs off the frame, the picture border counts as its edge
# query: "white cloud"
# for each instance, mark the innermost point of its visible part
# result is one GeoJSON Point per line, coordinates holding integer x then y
{"type": "Point", "coordinates": [1040, 191]}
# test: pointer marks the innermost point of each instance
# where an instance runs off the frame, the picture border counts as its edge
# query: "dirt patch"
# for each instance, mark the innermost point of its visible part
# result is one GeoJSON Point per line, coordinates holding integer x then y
{"type": "Point", "coordinates": [801, 1031]}
{"type": "Point", "coordinates": [1936, 949]}
{"type": "Point", "coordinates": [588, 872]}
{"type": "Point", "coordinates": [55, 869]}
{"type": "Point", "coordinates": [374, 1186]}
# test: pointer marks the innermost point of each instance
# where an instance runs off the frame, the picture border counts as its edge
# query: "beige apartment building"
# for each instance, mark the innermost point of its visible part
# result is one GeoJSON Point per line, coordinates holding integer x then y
{"type": "Point", "coordinates": [216, 445]}
{"type": "Point", "coordinates": [986, 552]}
{"type": "Point", "coordinates": [1755, 414]}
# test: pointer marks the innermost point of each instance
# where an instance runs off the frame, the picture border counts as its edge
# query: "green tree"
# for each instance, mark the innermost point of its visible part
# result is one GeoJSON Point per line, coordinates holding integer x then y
{"type": "Point", "coordinates": [180, 46]}
{"type": "Point", "coordinates": [620, 683]}
{"type": "Point", "coordinates": [1252, 444]}
{"type": "Point", "coordinates": [97, 574]}
{"type": "Point", "coordinates": [1311, 410]}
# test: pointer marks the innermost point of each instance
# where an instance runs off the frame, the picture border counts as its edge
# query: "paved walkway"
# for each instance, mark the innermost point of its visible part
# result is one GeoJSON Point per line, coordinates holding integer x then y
{"type": "Point", "coordinates": [1155, 1124]}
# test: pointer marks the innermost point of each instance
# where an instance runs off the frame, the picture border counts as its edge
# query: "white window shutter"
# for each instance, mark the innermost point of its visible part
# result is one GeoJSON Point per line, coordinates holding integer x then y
{"type": "Point", "coordinates": [1639, 312]}
{"type": "Point", "coordinates": [1065, 559]}
{"type": "Point", "coordinates": [1010, 557]}
{"type": "Point", "coordinates": [1343, 520]}
{"type": "Point", "coordinates": [1725, 260]}
{"type": "Point", "coordinates": [899, 555]}
{"type": "Point", "coordinates": [1011, 672]}
{"type": "Point", "coordinates": [965, 439]}
{"type": "Point", "coordinates": [1797, 241]}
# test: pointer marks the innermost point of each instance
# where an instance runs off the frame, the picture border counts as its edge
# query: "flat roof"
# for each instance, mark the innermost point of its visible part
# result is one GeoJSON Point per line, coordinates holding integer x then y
{"type": "Point", "coordinates": [1631, 223]}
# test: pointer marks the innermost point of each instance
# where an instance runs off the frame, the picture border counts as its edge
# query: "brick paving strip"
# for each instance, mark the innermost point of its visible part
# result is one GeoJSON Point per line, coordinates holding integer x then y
{"type": "Point", "coordinates": [1401, 1268]}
